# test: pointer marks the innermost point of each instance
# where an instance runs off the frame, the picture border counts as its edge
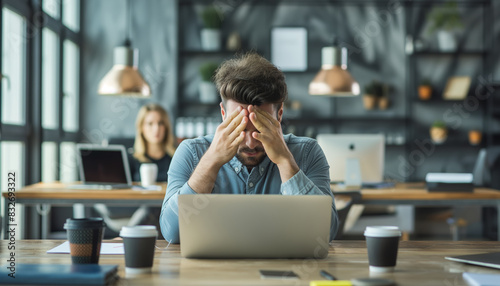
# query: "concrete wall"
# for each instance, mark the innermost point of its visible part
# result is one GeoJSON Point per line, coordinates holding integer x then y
{"type": "Point", "coordinates": [154, 32]}
{"type": "Point", "coordinates": [375, 33]}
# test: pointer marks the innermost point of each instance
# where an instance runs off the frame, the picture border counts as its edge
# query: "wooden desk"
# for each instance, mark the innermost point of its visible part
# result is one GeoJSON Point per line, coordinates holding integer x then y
{"type": "Point", "coordinates": [58, 194]}
{"type": "Point", "coordinates": [419, 263]}
{"type": "Point", "coordinates": [416, 194]}
{"type": "Point", "coordinates": [402, 194]}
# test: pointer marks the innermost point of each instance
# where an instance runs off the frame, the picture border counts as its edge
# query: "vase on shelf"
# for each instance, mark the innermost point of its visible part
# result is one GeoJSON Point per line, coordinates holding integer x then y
{"type": "Point", "coordinates": [447, 41]}
{"type": "Point", "coordinates": [438, 132]}
{"type": "Point", "coordinates": [210, 39]}
{"type": "Point", "coordinates": [475, 137]}
{"type": "Point", "coordinates": [424, 92]}
{"type": "Point", "coordinates": [208, 92]}
{"type": "Point", "coordinates": [211, 32]}
{"type": "Point", "coordinates": [369, 101]}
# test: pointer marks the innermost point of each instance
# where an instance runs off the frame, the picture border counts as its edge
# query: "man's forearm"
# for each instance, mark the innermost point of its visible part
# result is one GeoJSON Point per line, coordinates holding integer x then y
{"type": "Point", "coordinates": [288, 169]}
{"type": "Point", "coordinates": [203, 178]}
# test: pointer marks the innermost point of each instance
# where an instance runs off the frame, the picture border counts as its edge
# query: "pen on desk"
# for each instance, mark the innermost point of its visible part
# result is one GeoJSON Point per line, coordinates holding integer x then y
{"type": "Point", "coordinates": [327, 275]}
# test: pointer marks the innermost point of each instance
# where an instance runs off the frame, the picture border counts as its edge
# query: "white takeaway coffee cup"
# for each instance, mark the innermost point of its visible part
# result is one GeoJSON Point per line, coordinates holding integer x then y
{"type": "Point", "coordinates": [139, 244]}
{"type": "Point", "coordinates": [148, 172]}
{"type": "Point", "coordinates": [382, 243]}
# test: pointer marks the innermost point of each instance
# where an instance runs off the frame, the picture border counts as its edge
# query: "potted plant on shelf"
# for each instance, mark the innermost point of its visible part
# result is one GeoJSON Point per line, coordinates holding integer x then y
{"type": "Point", "coordinates": [383, 100]}
{"type": "Point", "coordinates": [373, 91]}
{"type": "Point", "coordinates": [425, 89]}
{"type": "Point", "coordinates": [210, 34]}
{"type": "Point", "coordinates": [445, 20]}
{"type": "Point", "coordinates": [208, 92]}
{"type": "Point", "coordinates": [438, 132]}
{"type": "Point", "coordinates": [475, 137]}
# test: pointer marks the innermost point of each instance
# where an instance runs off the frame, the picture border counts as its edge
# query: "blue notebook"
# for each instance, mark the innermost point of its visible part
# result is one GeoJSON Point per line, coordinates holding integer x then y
{"type": "Point", "coordinates": [59, 274]}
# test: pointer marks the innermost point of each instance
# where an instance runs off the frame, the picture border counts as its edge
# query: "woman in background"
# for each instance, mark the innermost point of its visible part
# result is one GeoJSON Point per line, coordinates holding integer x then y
{"type": "Point", "coordinates": [154, 141]}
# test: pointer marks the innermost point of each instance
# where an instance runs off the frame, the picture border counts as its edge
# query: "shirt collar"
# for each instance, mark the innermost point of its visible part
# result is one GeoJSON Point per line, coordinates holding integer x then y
{"type": "Point", "coordinates": [237, 166]}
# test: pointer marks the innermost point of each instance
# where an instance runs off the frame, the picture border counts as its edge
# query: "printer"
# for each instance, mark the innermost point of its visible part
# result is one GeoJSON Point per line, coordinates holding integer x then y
{"type": "Point", "coordinates": [450, 182]}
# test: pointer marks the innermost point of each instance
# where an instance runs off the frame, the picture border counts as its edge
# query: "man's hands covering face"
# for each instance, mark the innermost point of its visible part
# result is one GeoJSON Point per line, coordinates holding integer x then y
{"type": "Point", "coordinates": [231, 133]}
{"type": "Point", "coordinates": [228, 136]}
{"type": "Point", "coordinates": [269, 133]}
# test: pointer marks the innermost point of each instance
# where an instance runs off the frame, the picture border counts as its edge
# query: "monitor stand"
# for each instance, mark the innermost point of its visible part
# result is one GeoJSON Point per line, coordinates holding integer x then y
{"type": "Point", "coordinates": [352, 173]}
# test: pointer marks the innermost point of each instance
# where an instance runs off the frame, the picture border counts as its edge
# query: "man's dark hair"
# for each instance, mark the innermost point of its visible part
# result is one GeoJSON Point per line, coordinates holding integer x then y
{"type": "Point", "coordinates": [250, 79]}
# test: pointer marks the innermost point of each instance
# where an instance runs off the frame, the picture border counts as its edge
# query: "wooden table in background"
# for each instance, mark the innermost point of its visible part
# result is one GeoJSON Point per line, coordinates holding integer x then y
{"type": "Point", "coordinates": [58, 194]}
{"type": "Point", "coordinates": [402, 194]}
{"type": "Point", "coordinates": [419, 263]}
{"type": "Point", "coordinates": [416, 194]}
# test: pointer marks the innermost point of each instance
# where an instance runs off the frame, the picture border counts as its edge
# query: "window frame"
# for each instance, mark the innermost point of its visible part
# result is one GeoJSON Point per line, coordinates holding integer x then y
{"type": "Point", "coordinates": [12, 132]}
{"type": "Point", "coordinates": [31, 133]}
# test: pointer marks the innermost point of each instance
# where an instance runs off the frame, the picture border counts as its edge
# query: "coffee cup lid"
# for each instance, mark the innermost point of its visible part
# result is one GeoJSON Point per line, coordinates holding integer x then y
{"type": "Point", "coordinates": [139, 231]}
{"type": "Point", "coordinates": [90, 222]}
{"type": "Point", "coordinates": [382, 231]}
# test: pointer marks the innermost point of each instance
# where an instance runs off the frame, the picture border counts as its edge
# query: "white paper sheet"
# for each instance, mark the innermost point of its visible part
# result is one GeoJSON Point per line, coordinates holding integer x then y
{"type": "Point", "coordinates": [106, 248]}
{"type": "Point", "coordinates": [148, 188]}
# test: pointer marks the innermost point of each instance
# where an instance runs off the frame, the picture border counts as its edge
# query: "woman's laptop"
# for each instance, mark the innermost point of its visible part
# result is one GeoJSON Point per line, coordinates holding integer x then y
{"type": "Point", "coordinates": [254, 226]}
{"type": "Point", "coordinates": [103, 167]}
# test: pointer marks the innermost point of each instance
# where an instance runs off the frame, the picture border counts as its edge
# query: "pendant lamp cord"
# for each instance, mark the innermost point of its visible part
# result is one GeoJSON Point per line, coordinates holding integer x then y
{"type": "Point", "coordinates": [128, 24]}
{"type": "Point", "coordinates": [335, 38]}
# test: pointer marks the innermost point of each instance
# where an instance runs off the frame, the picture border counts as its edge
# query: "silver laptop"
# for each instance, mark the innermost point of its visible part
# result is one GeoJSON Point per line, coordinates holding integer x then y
{"type": "Point", "coordinates": [254, 226]}
{"type": "Point", "coordinates": [491, 259]}
{"type": "Point", "coordinates": [103, 167]}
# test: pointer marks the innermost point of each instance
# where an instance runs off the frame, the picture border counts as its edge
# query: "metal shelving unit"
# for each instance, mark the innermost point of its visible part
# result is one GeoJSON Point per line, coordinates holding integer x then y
{"type": "Point", "coordinates": [403, 119]}
{"type": "Point", "coordinates": [481, 54]}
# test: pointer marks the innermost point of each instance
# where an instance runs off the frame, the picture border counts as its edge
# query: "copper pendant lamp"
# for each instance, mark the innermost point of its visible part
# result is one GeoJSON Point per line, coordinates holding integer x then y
{"type": "Point", "coordinates": [333, 79]}
{"type": "Point", "coordinates": [124, 77]}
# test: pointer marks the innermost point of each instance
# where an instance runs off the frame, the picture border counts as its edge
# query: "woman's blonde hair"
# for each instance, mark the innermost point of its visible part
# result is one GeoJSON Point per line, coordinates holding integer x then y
{"type": "Point", "coordinates": [140, 142]}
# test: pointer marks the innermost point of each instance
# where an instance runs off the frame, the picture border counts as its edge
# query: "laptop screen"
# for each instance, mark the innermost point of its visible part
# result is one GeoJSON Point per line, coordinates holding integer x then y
{"type": "Point", "coordinates": [103, 165]}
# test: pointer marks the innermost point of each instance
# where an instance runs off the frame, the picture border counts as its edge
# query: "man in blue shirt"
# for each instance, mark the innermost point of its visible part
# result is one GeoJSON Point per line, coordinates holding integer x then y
{"type": "Point", "coordinates": [248, 154]}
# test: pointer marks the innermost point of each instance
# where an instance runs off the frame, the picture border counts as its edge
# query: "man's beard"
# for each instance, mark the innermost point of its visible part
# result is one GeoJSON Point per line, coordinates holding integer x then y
{"type": "Point", "coordinates": [253, 160]}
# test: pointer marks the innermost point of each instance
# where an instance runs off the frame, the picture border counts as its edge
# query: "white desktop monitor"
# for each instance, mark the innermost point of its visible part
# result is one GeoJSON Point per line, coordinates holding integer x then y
{"type": "Point", "coordinates": [368, 149]}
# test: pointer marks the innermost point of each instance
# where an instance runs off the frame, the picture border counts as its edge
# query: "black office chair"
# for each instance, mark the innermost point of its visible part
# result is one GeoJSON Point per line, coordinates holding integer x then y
{"type": "Point", "coordinates": [343, 212]}
{"type": "Point", "coordinates": [486, 173]}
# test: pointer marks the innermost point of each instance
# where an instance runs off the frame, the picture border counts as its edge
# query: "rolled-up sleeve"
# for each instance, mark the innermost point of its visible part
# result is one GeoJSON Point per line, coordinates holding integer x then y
{"type": "Point", "coordinates": [182, 166]}
{"type": "Point", "coordinates": [313, 179]}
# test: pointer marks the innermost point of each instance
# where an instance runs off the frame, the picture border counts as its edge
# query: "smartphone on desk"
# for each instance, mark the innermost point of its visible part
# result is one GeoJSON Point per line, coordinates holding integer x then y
{"type": "Point", "coordinates": [278, 274]}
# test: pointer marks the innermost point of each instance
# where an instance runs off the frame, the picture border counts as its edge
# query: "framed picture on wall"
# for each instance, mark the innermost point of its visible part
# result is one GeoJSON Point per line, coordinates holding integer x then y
{"type": "Point", "coordinates": [289, 48]}
{"type": "Point", "coordinates": [457, 88]}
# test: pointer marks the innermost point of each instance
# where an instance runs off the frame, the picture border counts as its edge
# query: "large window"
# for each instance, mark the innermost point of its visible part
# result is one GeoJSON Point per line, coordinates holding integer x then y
{"type": "Point", "coordinates": [40, 92]}
{"type": "Point", "coordinates": [49, 162]}
{"type": "Point", "coordinates": [12, 154]}
{"type": "Point", "coordinates": [13, 67]}
{"type": "Point", "coordinates": [50, 79]}
{"type": "Point", "coordinates": [71, 14]}
{"type": "Point", "coordinates": [12, 157]}
{"type": "Point", "coordinates": [13, 103]}
{"type": "Point", "coordinates": [51, 7]}
{"type": "Point", "coordinates": [68, 170]}
{"type": "Point", "coordinates": [71, 95]}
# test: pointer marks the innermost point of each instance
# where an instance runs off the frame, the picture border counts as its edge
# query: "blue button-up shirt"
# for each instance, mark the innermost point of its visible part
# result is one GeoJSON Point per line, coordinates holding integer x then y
{"type": "Point", "coordinates": [234, 178]}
